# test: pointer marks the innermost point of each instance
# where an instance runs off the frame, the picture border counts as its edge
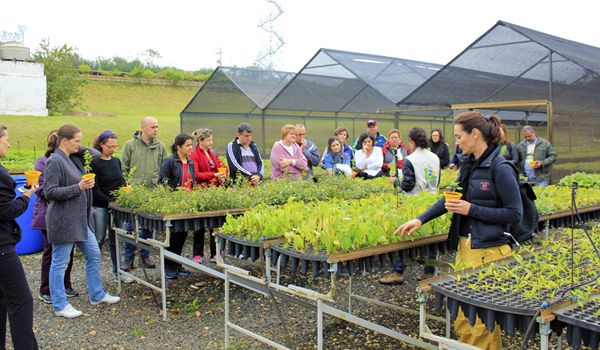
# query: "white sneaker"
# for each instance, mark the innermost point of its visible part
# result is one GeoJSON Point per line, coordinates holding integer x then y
{"type": "Point", "coordinates": [68, 312]}
{"type": "Point", "coordinates": [124, 279]}
{"type": "Point", "coordinates": [109, 299]}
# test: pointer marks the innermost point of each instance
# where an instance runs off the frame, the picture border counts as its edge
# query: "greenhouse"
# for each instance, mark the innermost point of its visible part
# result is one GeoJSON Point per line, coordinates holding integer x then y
{"type": "Point", "coordinates": [334, 88]}
{"type": "Point", "coordinates": [525, 75]}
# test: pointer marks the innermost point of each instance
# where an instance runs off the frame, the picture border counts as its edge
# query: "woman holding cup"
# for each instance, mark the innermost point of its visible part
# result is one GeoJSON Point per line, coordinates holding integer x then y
{"type": "Point", "coordinates": [210, 171]}
{"type": "Point", "coordinates": [69, 218]}
{"type": "Point", "coordinates": [16, 302]}
{"type": "Point", "coordinates": [490, 200]}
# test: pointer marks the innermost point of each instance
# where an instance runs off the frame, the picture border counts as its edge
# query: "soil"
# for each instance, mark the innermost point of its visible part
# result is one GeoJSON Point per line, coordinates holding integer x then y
{"type": "Point", "coordinates": [196, 311]}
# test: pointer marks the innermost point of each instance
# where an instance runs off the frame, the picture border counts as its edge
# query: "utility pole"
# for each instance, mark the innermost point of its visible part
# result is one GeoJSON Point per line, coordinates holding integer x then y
{"type": "Point", "coordinates": [265, 57]}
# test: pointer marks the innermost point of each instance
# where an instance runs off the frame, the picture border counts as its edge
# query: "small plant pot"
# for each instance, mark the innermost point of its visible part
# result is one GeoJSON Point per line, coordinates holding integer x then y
{"type": "Point", "coordinates": [87, 176]}
{"type": "Point", "coordinates": [126, 189]}
{"type": "Point", "coordinates": [222, 170]}
{"type": "Point", "coordinates": [532, 163]}
{"type": "Point", "coordinates": [32, 177]}
{"type": "Point", "coordinates": [452, 195]}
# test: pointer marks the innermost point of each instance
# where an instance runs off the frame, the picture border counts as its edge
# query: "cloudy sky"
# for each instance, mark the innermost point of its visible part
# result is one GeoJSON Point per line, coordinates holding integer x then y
{"type": "Point", "coordinates": [189, 34]}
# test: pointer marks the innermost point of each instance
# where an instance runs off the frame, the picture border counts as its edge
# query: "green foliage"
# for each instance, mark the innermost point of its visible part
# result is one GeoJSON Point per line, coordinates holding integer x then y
{"type": "Point", "coordinates": [541, 274]}
{"type": "Point", "coordinates": [337, 225]}
{"type": "Point", "coordinates": [552, 199]}
{"type": "Point", "coordinates": [63, 83]}
{"type": "Point", "coordinates": [87, 157]}
{"type": "Point", "coordinates": [583, 180]}
{"type": "Point", "coordinates": [163, 201]}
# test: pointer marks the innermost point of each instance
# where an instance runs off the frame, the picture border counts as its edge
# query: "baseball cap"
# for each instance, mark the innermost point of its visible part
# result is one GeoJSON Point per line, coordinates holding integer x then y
{"type": "Point", "coordinates": [371, 122]}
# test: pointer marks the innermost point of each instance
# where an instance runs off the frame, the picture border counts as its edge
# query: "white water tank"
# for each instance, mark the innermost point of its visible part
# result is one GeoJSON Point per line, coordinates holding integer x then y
{"type": "Point", "coordinates": [14, 51]}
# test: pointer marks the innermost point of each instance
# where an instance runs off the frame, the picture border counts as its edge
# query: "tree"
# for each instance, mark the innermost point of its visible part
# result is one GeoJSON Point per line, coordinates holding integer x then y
{"type": "Point", "coordinates": [63, 82]}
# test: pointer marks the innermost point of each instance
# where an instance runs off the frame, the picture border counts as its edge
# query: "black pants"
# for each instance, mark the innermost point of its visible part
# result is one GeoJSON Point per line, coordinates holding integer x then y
{"type": "Point", "coordinates": [199, 243]}
{"type": "Point", "coordinates": [176, 246]}
{"type": "Point", "coordinates": [16, 302]}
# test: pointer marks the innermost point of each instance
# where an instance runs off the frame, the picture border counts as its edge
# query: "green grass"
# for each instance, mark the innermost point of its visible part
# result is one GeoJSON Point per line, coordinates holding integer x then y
{"type": "Point", "coordinates": [130, 103]}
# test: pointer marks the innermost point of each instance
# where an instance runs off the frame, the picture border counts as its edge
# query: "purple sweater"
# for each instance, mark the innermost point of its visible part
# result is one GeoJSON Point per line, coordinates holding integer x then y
{"type": "Point", "coordinates": [279, 152]}
{"type": "Point", "coordinates": [38, 220]}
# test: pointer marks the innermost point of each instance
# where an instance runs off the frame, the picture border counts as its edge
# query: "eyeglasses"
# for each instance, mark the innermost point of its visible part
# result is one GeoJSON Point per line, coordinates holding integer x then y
{"type": "Point", "coordinates": [111, 147]}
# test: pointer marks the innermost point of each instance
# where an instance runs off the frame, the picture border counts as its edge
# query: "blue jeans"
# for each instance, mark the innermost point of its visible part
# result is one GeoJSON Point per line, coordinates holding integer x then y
{"type": "Point", "coordinates": [130, 248]}
{"type": "Point", "coordinates": [61, 254]}
{"type": "Point", "coordinates": [541, 183]}
{"type": "Point", "coordinates": [100, 224]}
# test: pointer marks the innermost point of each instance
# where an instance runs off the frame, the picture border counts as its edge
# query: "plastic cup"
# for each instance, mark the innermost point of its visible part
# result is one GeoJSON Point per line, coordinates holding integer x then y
{"type": "Point", "coordinates": [452, 195]}
{"type": "Point", "coordinates": [532, 163]}
{"type": "Point", "coordinates": [222, 170]}
{"type": "Point", "coordinates": [88, 176]}
{"type": "Point", "coordinates": [32, 177]}
{"type": "Point", "coordinates": [126, 189]}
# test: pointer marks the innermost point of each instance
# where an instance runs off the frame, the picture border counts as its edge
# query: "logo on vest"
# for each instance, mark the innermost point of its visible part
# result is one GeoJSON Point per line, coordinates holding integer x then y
{"type": "Point", "coordinates": [484, 186]}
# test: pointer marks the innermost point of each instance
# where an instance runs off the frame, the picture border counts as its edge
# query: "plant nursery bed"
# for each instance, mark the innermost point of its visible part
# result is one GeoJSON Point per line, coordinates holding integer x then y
{"type": "Point", "coordinates": [365, 260]}
{"type": "Point", "coordinates": [563, 217]}
{"type": "Point", "coordinates": [187, 221]}
{"type": "Point", "coordinates": [583, 324]}
{"type": "Point", "coordinates": [236, 247]}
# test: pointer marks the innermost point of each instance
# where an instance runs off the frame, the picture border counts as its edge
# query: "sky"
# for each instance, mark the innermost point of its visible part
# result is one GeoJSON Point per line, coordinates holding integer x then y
{"type": "Point", "coordinates": [190, 34]}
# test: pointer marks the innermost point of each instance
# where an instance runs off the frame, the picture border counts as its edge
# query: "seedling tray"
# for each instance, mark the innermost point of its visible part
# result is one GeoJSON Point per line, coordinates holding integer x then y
{"type": "Point", "coordinates": [366, 260]}
{"type": "Point", "coordinates": [239, 248]}
{"type": "Point", "coordinates": [563, 218]}
{"type": "Point", "coordinates": [186, 222]}
{"type": "Point", "coordinates": [583, 326]}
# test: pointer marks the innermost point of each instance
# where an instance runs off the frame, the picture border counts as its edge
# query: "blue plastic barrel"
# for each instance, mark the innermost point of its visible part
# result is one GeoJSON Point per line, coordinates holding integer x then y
{"type": "Point", "coordinates": [32, 241]}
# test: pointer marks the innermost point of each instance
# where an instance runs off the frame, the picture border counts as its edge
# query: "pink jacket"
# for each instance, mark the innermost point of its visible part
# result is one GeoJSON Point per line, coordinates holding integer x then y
{"type": "Point", "coordinates": [295, 169]}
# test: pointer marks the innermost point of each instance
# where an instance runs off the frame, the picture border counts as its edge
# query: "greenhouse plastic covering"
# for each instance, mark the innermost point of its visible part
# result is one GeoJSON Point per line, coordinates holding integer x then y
{"type": "Point", "coordinates": [339, 81]}
{"type": "Point", "coordinates": [512, 63]}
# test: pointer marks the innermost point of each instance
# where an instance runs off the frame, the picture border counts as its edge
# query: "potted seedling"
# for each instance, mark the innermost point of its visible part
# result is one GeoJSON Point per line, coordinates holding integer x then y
{"type": "Point", "coordinates": [87, 157]}
{"type": "Point", "coordinates": [452, 192]}
{"type": "Point", "coordinates": [127, 188]}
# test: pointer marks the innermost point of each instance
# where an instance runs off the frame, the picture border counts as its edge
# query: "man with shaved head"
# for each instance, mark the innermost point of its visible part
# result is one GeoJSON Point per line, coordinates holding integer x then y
{"type": "Point", "coordinates": [146, 154]}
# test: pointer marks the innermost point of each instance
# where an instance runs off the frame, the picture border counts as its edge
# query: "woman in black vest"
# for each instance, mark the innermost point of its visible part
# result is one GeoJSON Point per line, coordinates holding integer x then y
{"type": "Point", "coordinates": [15, 297]}
{"type": "Point", "coordinates": [478, 220]}
{"type": "Point", "coordinates": [438, 146]}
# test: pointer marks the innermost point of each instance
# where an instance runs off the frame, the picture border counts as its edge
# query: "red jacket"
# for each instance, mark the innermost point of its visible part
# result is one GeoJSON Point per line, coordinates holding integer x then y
{"type": "Point", "coordinates": [204, 174]}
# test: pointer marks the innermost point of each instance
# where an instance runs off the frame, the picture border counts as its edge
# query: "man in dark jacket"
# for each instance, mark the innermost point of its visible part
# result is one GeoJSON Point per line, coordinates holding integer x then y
{"type": "Point", "coordinates": [243, 156]}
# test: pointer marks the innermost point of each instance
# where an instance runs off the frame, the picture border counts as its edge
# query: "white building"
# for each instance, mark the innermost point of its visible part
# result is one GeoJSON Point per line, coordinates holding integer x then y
{"type": "Point", "coordinates": [22, 82]}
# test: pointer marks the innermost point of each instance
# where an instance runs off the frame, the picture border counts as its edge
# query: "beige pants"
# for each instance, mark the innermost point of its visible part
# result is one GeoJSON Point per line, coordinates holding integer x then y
{"type": "Point", "coordinates": [477, 335]}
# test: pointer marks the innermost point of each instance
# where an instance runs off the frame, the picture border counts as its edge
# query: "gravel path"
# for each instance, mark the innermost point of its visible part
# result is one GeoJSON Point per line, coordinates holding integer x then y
{"type": "Point", "coordinates": [196, 309]}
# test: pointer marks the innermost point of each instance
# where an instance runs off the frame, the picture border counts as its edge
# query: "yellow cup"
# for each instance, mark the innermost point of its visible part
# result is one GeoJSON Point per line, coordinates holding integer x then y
{"type": "Point", "coordinates": [89, 176]}
{"type": "Point", "coordinates": [126, 189]}
{"type": "Point", "coordinates": [222, 170]}
{"type": "Point", "coordinates": [32, 177]}
{"type": "Point", "coordinates": [532, 163]}
{"type": "Point", "coordinates": [452, 195]}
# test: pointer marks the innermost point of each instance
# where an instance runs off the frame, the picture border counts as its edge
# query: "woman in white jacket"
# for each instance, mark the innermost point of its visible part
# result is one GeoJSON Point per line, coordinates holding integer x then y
{"type": "Point", "coordinates": [369, 158]}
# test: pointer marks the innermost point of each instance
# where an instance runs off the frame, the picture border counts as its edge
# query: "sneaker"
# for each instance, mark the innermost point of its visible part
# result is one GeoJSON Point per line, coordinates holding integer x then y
{"type": "Point", "coordinates": [171, 275]}
{"type": "Point", "coordinates": [198, 259]}
{"type": "Point", "coordinates": [147, 262]}
{"type": "Point", "coordinates": [392, 278]}
{"type": "Point", "coordinates": [124, 279]}
{"type": "Point", "coordinates": [128, 265]}
{"type": "Point", "coordinates": [71, 293]}
{"type": "Point", "coordinates": [45, 298]}
{"type": "Point", "coordinates": [183, 272]}
{"type": "Point", "coordinates": [424, 276]}
{"type": "Point", "coordinates": [212, 259]}
{"type": "Point", "coordinates": [68, 312]}
{"type": "Point", "coordinates": [108, 299]}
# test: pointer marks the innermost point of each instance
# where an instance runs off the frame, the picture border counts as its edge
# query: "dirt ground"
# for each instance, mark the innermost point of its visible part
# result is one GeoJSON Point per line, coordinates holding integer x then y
{"type": "Point", "coordinates": [196, 310]}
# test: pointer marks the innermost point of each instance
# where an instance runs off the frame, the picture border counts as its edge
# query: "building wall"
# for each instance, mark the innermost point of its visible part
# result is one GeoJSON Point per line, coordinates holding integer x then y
{"type": "Point", "coordinates": [22, 88]}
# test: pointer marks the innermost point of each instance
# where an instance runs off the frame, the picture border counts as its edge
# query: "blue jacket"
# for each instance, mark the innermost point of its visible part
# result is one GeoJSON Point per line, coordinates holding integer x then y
{"type": "Point", "coordinates": [329, 162]}
{"type": "Point", "coordinates": [493, 192]}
